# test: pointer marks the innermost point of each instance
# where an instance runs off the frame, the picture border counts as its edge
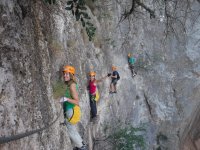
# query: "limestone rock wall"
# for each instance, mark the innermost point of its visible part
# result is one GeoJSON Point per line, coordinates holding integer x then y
{"type": "Point", "coordinates": [37, 40]}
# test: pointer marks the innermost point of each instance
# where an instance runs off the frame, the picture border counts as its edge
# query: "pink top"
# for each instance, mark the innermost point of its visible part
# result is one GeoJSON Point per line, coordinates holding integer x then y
{"type": "Point", "coordinates": [92, 87]}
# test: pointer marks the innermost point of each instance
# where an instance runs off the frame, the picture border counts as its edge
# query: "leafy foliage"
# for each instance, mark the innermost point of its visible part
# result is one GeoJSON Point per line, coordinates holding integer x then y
{"type": "Point", "coordinates": [77, 7]}
{"type": "Point", "coordinates": [59, 89]}
{"type": "Point", "coordinates": [128, 138]}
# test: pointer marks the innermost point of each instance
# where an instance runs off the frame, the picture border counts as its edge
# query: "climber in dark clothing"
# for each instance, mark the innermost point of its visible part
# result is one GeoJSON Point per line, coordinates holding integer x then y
{"type": "Point", "coordinates": [114, 78]}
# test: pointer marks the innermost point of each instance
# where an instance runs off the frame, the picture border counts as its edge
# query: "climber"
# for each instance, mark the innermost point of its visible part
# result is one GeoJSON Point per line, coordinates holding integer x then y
{"type": "Point", "coordinates": [93, 91]}
{"type": "Point", "coordinates": [131, 62]}
{"type": "Point", "coordinates": [114, 78]}
{"type": "Point", "coordinates": [70, 101]}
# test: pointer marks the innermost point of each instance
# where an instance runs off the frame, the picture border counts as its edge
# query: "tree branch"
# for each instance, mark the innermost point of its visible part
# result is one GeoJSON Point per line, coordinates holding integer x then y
{"type": "Point", "coordinates": [151, 12]}
{"type": "Point", "coordinates": [127, 14]}
{"type": "Point", "coordinates": [132, 10]}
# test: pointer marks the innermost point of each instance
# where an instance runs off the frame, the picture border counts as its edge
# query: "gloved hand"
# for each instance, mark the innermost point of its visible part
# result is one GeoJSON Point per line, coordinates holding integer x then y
{"type": "Point", "coordinates": [109, 74]}
{"type": "Point", "coordinates": [63, 99]}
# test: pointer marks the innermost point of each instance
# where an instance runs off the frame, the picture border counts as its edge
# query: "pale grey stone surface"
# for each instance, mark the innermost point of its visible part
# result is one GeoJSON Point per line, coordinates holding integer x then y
{"type": "Point", "coordinates": [37, 40]}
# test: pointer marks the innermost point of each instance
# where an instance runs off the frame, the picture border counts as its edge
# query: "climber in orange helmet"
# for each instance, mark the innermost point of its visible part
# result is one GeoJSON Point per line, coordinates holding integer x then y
{"type": "Point", "coordinates": [114, 78]}
{"type": "Point", "coordinates": [70, 101]}
{"type": "Point", "coordinates": [93, 91]}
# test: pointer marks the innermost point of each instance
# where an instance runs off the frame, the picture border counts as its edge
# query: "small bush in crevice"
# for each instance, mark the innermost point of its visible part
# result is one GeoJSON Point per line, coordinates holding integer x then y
{"type": "Point", "coordinates": [59, 89]}
{"type": "Point", "coordinates": [128, 138]}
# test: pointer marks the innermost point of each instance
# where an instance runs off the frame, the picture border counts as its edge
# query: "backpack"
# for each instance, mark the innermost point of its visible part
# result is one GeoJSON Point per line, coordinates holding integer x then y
{"type": "Point", "coordinates": [118, 77]}
{"type": "Point", "coordinates": [76, 117]}
{"type": "Point", "coordinates": [97, 96]}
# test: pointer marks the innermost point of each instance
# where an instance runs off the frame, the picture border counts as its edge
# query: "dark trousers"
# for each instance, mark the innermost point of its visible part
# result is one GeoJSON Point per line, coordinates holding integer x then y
{"type": "Point", "coordinates": [93, 106]}
{"type": "Point", "coordinates": [132, 69]}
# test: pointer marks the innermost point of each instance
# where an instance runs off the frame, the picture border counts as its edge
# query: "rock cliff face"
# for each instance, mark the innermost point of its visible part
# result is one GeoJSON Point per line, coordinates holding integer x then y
{"type": "Point", "coordinates": [37, 40]}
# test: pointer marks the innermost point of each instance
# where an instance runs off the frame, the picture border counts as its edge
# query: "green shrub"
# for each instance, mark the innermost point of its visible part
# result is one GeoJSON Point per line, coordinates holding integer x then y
{"type": "Point", "coordinates": [59, 89]}
{"type": "Point", "coordinates": [128, 138]}
{"type": "Point", "coordinates": [79, 10]}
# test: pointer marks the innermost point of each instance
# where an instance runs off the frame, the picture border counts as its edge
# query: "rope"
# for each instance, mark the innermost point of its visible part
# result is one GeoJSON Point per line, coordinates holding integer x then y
{"type": "Point", "coordinates": [6, 139]}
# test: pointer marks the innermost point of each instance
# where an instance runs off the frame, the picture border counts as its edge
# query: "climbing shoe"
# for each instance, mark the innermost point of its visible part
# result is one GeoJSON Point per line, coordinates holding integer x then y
{"type": "Point", "coordinates": [115, 92]}
{"type": "Point", "coordinates": [134, 74]}
{"type": "Point", "coordinates": [84, 147]}
{"type": "Point", "coordinates": [111, 92]}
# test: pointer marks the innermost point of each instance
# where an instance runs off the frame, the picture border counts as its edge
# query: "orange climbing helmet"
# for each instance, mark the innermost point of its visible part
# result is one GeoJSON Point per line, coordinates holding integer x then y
{"type": "Point", "coordinates": [114, 67]}
{"type": "Point", "coordinates": [92, 73]}
{"type": "Point", "coordinates": [69, 69]}
{"type": "Point", "coordinates": [129, 54]}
